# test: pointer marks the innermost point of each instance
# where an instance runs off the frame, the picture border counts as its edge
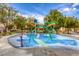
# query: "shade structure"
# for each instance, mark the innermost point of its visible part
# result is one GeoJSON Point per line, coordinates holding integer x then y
{"type": "Point", "coordinates": [51, 23]}
{"type": "Point", "coordinates": [32, 24]}
{"type": "Point", "coordinates": [40, 28]}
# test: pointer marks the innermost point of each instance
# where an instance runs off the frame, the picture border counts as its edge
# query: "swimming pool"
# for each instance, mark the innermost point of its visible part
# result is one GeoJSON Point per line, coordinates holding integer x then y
{"type": "Point", "coordinates": [43, 40]}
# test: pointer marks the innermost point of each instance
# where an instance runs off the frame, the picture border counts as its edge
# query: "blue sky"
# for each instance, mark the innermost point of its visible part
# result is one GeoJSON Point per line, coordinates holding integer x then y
{"type": "Point", "coordinates": [40, 10]}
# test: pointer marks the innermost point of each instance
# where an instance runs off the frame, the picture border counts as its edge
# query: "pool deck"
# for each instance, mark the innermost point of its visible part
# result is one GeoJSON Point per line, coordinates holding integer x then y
{"type": "Point", "coordinates": [72, 35]}
{"type": "Point", "coordinates": [7, 50]}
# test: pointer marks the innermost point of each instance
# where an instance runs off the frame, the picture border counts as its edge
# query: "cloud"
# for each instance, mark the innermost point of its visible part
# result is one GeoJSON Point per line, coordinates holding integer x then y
{"type": "Point", "coordinates": [75, 4]}
{"type": "Point", "coordinates": [40, 18]}
{"type": "Point", "coordinates": [26, 16]}
{"type": "Point", "coordinates": [68, 9]}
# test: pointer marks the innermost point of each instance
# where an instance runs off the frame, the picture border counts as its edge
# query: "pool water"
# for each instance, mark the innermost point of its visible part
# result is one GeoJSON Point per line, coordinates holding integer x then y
{"type": "Point", "coordinates": [32, 40]}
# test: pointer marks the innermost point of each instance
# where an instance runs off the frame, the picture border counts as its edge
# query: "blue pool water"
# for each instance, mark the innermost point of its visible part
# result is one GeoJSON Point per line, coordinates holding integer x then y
{"type": "Point", "coordinates": [30, 40]}
{"type": "Point", "coordinates": [54, 39]}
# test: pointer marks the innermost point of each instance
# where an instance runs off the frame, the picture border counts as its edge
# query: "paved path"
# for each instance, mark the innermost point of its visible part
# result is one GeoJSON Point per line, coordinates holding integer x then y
{"type": "Point", "coordinates": [8, 50]}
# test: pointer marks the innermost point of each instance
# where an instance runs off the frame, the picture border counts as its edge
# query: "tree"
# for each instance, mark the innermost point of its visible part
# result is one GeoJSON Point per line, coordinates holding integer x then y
{"type": "Point", "coordinates": [54, 16]}
{"type": "Point", "coordinates": [7, 15]}
{"type": "Point", "coordinates": [20, 23]}
{"type": "Point", "coordinates": [62, 21]}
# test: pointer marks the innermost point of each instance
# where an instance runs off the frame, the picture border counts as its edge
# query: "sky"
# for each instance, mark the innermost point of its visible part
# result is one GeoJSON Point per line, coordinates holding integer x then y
{"type": "Point", "coordinates": [40, 10]}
